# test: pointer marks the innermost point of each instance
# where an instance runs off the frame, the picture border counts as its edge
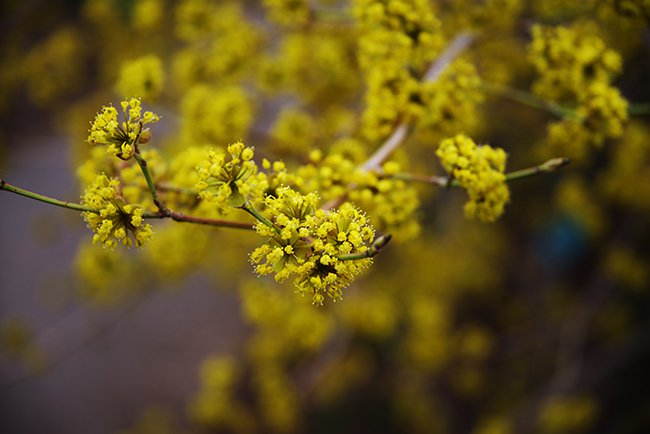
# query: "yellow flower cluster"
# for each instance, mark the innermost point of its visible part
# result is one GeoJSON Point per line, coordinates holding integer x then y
{"type": "Point", "coordinates": [133, 186]}
{"type": "Point", "coordinates": [196, 19]}
{"type": "Point", "coordinates": [215, 115]}
{"type": "Point", "coordinates": [629, 163]}
{"type": "Point", "coordinates": [450, 103]}
{"type": "Point", "coordinates": [55, 67]}
{"type": "Point", "coordinates": [318, 67]}
{"type": "Point", "coordinates": [480, 171]}
{"type": "Point", "coordinates": [143, 77]}
{"type": "Point", "coordinates": [575, 67]}
{"type": "Point", "coordinates": [287, 12]}
{"type": "Point", "coordinates": [330, 175]}
{"type": "Point", "coordinates": [391, 203]}
{"type": "Point", "coordinates": [148, 15]}
{"type": "Point", "coordinates": [601, 114]}
{"type": "Point", "coordinates": [603, 111]}
{"type": "Point", "coordinates": [122, 138]}
{"type": "Point", "coordinates": [568, 60]}
{"type": "Point", "coordinates": [221, 42]}
{"type": "Point", "coordinates": [306, 242]}
{"type": "Point", "coordinates": [398, 41]}
{"type": "Point", "coordinates": [409, 27]}
{"type": "Point", "coordinates": [183, 174]}
{"type": "Point", "coordinates": [225, 180]}
{"type": "Point", "coordinates": [294, 132]}
{"type": "Point", "coordinates": [282, 319]}
{"type": "Point", "coordinates": [113, 220]}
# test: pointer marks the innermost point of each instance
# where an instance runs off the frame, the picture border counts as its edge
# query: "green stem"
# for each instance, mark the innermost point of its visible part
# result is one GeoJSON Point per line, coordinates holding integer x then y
{"type": "Point", "coordinates": [534, 101]}
{"type": "Point", "coordinates": [377, 245]}
{"type": "Point", "coordinates": [255, 213]}
{"type": "Point", "coordinates": [30, 194]}
{"type": "Point", "coordinates": [147, 176]}
{"type": "Point", "coordinates": [179, 217]}
{"type": "Point", "coordinates": [166, 212]}
{"type": "Point", "coordinates": [528, 99]}
{"type": "Point", "coordinates": [442, 181]}
{"type": "Point", "coordinates": [549, 166]}
{"type": "Point", "coordinates": [163, 186]}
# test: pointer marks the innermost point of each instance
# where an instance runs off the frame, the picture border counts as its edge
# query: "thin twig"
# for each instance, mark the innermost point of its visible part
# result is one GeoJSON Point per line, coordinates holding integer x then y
{"type": "Point", "coordinates": [152, 187]}
{"type": "Point", "coordinates": [460, 43]}
{"type": "Point", "coordinates": [258, 215]}
{"type": "Point", "coordinates": [443, 181]}
{"type": "Point", "coordinates": [536, 102]}
{"type": "Point", "coordinates": [163, 211]}
{"type": "Point", "coordinates": [4, 185]}
{"type": "Point", "coordinates": [401, 132]}
{"type": "Point", "coordinates": [527, 99]}
{"type": "Point", "coordinates": [176, 216]}
{"type": "Point", "coordinates": [183, 218]}
{"type": "Point", "coordinates": [377, 245]}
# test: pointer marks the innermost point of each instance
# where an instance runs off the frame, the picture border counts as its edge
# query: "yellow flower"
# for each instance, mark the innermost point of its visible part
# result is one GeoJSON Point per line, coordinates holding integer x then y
{"type": "Point", "coordinates": [227, 180]}
{"type": "Point", "coordinates": [143, 77]}
{"type": "Point", "coordinates": [306, 243]}
{"type": "Point", "coordinates": [122, 138]}
{"type": "Point", "coordinates": [568, 59]}
{"type": "Point", "coordinates": [479, 170]}
{"type": "Point", "coordinates": [113, 219]}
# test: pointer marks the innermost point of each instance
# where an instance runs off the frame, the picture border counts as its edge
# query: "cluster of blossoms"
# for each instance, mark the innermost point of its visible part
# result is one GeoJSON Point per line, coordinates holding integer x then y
{"type": "Point", "coordinates": [568, 60]}
{"type": "Point", "coordinates": [54, 66]}
{"type": "Point", "coordinates": [319, 67]}
{"type": "Point", "coordinates": [226, 181]}
{"type": "Point", "coordinates": [214, 114]}
{"type": "Point", "coordinates": [450, 103]}
{"type": "Point", "coordinates": [391, 203]}
{"type": "Point", "coordinates": [312, 244]}
{"type": "Point", "coordinates": [576, 68]}
{"type": "Point", "coordinates": [221, 42]}
{"type": "Point", "coordinates": [399, 40]}
{"type": "Point", "coordinates": [603, 111]}
{"type": "Point", "coordinates": [113, 220]}
{"type": "Point", "coordinates": [143, 77]}
{"type": "Point", "coordinates": [480, 171]}
{"type": "Point", "coordinates": [630, 162]}
{"type": "Point", "coordinates": [122, 138]}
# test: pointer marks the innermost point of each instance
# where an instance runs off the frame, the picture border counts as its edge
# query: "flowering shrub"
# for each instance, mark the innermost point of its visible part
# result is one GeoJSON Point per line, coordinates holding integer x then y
{"type": "Point", "coordinates": [316, 156]}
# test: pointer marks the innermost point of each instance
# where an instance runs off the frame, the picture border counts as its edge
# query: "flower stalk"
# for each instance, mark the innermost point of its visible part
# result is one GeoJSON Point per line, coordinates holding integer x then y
{"type": "Point", "coordinates": [4, 185]}
{"type": "Point", "coordinates": [147, 176]}
{"type": "Point", "coordinates": [179, 217]}
{"type": "Point", "coordinates": [528, 99]}
{"type": "Point", "coordinates": [377, 245]}
{"type": "Point", "coordinates": [258, 215]}
{"type": "Point", "coordinates": [401, 132]}
{"type": "Point", "coordinates": [443, 181]}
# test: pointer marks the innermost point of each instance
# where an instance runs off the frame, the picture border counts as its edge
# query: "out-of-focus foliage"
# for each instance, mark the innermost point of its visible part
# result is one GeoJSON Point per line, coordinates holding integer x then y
{"type": "Point", "coordinates": [460, 326]}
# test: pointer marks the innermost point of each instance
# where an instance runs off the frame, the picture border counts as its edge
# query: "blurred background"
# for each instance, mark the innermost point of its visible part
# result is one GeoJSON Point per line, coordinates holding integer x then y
{"type": "Point", "coordinates": [537, 323]}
